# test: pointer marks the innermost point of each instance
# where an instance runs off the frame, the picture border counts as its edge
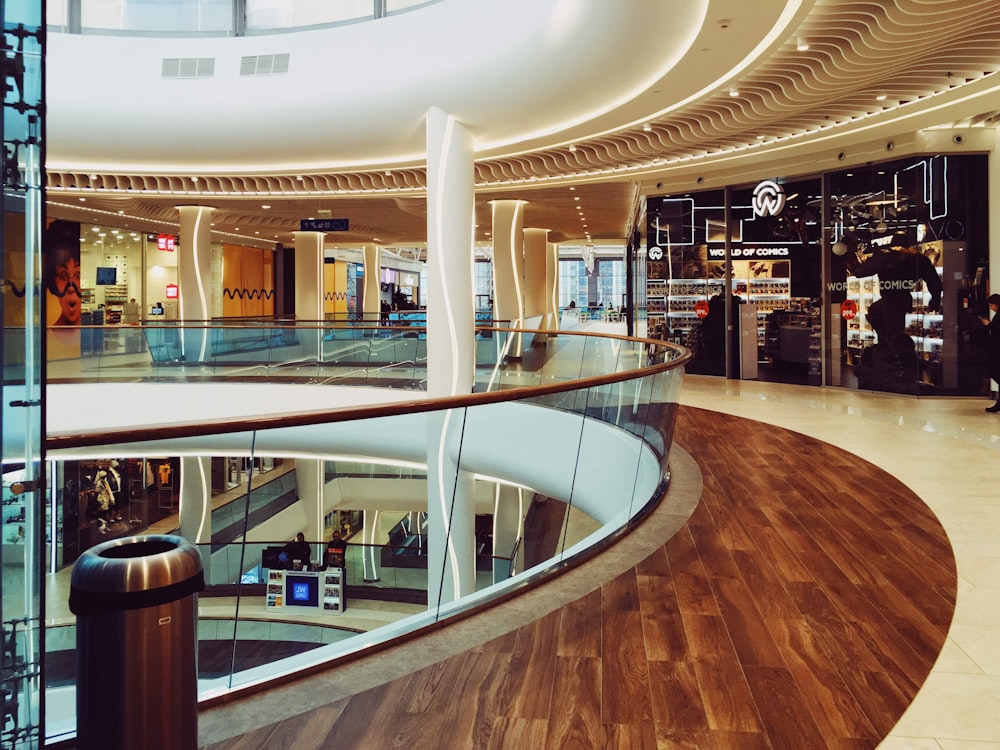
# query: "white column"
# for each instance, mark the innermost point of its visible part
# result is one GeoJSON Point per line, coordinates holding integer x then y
{"type": "Point", "coordinates": [450, 354]}
{"type": "Point", "coordinates": [509, 508]}
{"type": "Point", "coordinates": [372, 296]}
{"type": "Point", "coordinates": [508, 266]}
{"type": "Point", "coordinates": [451, 520]}
{"type": "Point", "coordinates": [451, 314]}
{"type": "Point", "coordinates": [535, 262]}
{"type": "Point", "coordinates": [552, 285]}
{"type": "Point", "coordinates": [535, 290]}
{"type": "Point", "coordinates": [194, 279]}
{"type": "Point", "coordinates": [309, 484]}
{"type": "Point", "coordinates": [309, 290]}
{"type": "Point", "coordinates": [196, 505]}
{"type": "Point", "coordinates": [371, 555]}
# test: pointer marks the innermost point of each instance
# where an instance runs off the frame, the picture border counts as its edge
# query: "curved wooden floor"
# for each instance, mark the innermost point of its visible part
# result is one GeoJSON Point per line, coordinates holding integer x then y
{"type": "Point", "coordinates": [801, 607]}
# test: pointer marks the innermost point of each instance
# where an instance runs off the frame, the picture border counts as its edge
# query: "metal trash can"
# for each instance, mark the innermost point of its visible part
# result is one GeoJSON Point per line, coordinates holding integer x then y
{"type": "Point", "coordinates": [136, 606]}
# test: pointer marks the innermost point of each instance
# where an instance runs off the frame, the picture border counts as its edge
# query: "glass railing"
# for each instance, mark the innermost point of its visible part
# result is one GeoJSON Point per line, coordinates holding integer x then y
{"type": "Point", "coordinates": [587, 428]}
{"type": "Point", "coordinates": [339, 352]}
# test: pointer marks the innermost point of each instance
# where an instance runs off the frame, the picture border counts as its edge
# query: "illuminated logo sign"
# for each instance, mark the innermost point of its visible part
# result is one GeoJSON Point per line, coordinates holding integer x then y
{"type": "Point", "coordinates": [166, 242]}
{"type": "Point", "coordinates": [768, 198]}
{"type": "Point", "coordinates": [655, 253]}
{"type": "Point", "coordinates": [172, 291]}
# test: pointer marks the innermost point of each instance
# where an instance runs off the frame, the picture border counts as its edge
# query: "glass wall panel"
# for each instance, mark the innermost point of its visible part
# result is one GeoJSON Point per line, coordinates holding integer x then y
{"type": "Point", "coordinates": [25, 528]}
{"type": "Point", "coordinates": [157, 16]}
{"type": "Point", "coordinates": [909, 275]}
{"type": "Point", "coordinates": [265, 15]}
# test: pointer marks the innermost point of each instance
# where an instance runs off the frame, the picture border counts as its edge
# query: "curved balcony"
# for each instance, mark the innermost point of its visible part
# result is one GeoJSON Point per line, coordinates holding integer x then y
{"type": "Point", "coordinates": [580, 423]}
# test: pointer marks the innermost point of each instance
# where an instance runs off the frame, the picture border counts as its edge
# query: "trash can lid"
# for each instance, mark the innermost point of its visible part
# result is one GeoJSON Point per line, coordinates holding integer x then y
{"type": "Point", "coordinates": [135, 572]}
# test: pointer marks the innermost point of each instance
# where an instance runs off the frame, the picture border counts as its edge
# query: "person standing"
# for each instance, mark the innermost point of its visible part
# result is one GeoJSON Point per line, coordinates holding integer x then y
{"type": "Point", "coordinates": [336, 551]}
{"type": "Point", "coordinates": [993, 346]}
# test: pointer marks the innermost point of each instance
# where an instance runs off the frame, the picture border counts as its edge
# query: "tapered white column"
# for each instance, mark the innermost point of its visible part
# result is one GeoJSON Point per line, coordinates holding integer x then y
{"type": "Point", "coordinates": [451, 314]}
{"type": "Point", "coordinates": [535, 290]}
{"type": "Point", "coordinates": [450, 354]}
{"type": "Point", "coordinates": [451, 520]}
{"type": "Point", "coordinates": [309, 485]}
{"type": "Point", "coordinates": [508, 260]}
{"type": "Point", "coordinates": [194, 277]}
{"type": "Point", "coordinates": [371, 553]}
{"type": "Point", "coordinates": [309, 290]}
{"type": "Point", "coordinates": [552, 286]}
{"type": "Point", "coordinates": [371, 296]}
{"type": "Point", "coordinates": [535, 261]}
{"type": "Point", "coordinates": [196, 505]}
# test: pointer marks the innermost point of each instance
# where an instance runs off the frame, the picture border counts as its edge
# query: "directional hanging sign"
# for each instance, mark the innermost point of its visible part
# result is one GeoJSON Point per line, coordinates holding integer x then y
{"type": "Point", "coordinates": [323, 225]}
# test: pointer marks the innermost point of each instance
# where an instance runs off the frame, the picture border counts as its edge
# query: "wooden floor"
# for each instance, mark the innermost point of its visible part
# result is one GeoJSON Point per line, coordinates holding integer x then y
{"type": "Point", "coordinates": [801, 607]}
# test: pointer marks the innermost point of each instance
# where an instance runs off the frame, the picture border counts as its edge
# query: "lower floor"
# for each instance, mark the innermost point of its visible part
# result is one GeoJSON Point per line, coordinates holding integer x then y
{"type": "Point", "coordinates": [830, 582]}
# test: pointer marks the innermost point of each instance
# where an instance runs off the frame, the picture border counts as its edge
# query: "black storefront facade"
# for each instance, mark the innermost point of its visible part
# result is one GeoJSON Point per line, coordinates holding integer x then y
{"type": "Point", "coordinates": [830, 278]}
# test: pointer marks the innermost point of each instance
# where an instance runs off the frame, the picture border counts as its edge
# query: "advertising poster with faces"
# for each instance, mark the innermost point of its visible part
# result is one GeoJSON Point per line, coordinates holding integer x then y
{"type": "Point", "coordinates": [63, 288]}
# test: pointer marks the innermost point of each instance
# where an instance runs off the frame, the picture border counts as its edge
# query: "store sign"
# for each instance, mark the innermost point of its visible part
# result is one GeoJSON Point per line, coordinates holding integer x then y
{"type": "Point", "coordinates": [172, 291]}
{"type": "Point", "coordinates": [848, 309]}
{"type": "Point", "coordinates": [701, 308]}
{"type": "Point", "coordinates": [750, 252]}
{"type": "Point", "coordinates": [166, 242]}
{"type": "Point", "coordinates": [655, 253]}
{"type": "Point", "coordinates": [768, 198]}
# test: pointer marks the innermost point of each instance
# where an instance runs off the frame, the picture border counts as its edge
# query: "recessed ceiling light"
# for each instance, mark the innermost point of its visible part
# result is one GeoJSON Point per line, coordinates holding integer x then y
{"type": "Point", "coordinates": [265, 206]}
{"type": "Point", "coordinates": [734, 92]}
{"type": "Point", "coordinates": [802, 45]}
{"type": "Point", "coordinates": [572, 148]}
{"type": "Point", "coordinates": [880, 98]}
{"type": "Point", "coordinates": [647, 127]}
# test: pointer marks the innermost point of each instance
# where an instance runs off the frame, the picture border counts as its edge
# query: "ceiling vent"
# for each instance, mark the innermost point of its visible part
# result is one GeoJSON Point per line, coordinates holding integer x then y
{"type": "Point", "coordinates": [264, 65]}
{"type": "Point", "coordinates": [188, 67]}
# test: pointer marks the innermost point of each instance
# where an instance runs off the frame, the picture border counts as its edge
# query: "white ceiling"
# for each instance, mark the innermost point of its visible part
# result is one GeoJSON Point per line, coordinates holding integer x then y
{"type": "Point", "coordinates": [613, 98]}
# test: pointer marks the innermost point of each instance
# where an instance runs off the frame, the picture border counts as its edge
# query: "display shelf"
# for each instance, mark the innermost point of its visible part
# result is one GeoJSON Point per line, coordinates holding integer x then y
{"type": "Point", "coordinates": [925, 328]}
{"type": "Point", "coordinates": [115, 294]}
{"type": "Point", "coordinates": [333, 590]}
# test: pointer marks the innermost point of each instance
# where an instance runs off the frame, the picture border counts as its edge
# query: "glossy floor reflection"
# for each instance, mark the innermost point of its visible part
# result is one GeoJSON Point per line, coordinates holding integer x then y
{"type": "Point", "coordinates": [812, 600]}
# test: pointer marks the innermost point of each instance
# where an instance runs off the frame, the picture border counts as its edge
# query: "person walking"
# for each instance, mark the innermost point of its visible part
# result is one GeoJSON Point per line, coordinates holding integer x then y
{"type": "Point", "coordinates": [993, 346]}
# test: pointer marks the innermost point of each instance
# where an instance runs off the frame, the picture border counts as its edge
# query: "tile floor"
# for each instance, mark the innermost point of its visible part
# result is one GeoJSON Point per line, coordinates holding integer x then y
{"type": "Point", "coordinates": [947, 450]}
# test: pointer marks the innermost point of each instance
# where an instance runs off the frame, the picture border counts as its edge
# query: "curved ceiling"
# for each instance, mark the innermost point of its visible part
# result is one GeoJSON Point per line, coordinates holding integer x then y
{"type": "Point", "coordinates": [610, 98]}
